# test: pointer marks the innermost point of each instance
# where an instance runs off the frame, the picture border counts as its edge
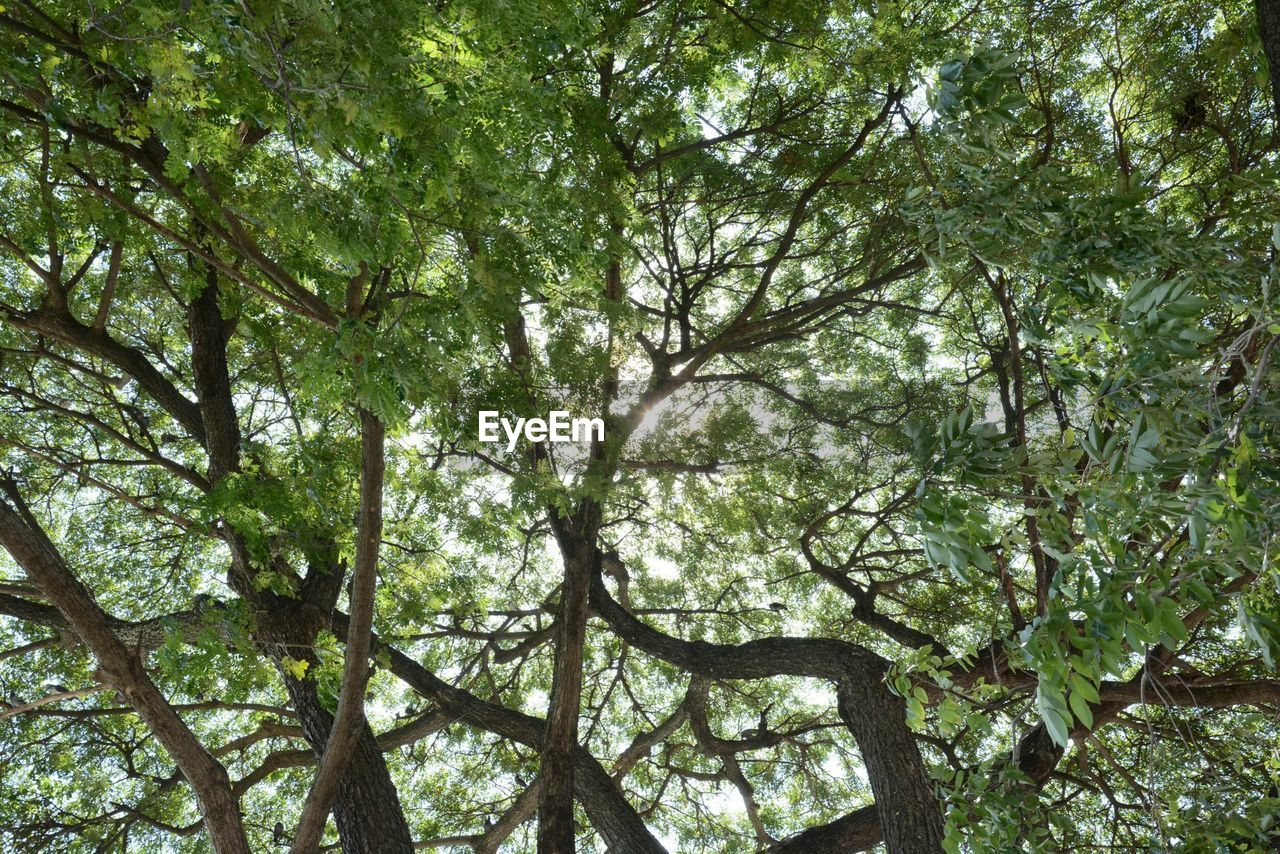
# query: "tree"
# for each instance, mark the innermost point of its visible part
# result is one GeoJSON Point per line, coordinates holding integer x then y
{"type": "Point", "coordinates": [933, 346]}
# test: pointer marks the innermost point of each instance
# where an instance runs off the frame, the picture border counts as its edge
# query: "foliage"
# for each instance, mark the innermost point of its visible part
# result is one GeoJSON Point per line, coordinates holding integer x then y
{"type": "Point", "coordinates": [943, 330]}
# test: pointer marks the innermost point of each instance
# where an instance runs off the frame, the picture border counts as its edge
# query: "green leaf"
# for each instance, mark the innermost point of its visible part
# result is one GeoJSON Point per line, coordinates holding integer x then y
{"type": "Point", "coordinates": [1057, 725]}
{"type": "Point", "coordinates": [1082, 686]}
{"type": "Point", "coordinates": [1080, 708]}
{"type": "Point", "coordinates": [294, 667]}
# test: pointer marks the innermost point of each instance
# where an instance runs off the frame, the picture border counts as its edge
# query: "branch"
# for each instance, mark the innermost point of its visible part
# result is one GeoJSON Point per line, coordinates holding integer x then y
{"type": "Point", "coordinates": [122, 670]}
{"type": "Point", "coordinates": [1177, 692]}
{"type": "Point", "coordinates": [617, 822]}
{"type": "Point", "coordinates": [108, 287]}
{"type": "Point", "coordinates": [55, 697]}
{"type": "Point", "coordinates": [211, 377]}
{"type": "Point", "coordinates": [1269, 31]}
{"type": "Point", "coordinates": [909, 812]}
{"type": "Point", "coordinates": [788, 238]}
{"type": "Point", "coordinates": [66, 329]}
{"type": "Point", "coordinates": [349, 717]}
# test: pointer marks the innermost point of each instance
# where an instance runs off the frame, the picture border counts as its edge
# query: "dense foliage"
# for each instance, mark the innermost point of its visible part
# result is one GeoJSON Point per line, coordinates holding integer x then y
{"type": "Point", "coordinates": [934, 343]}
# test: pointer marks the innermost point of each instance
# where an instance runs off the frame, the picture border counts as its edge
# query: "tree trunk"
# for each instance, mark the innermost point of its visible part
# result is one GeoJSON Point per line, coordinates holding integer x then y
{"type": "Point", "coordinates": [366, 807]}
{"type": "Point", "coordinates": [555, 804]}
{"type": "Point", "coordinates": [1269, 30]}
{"type": "Point", "coordinates": [910, 812]}
{"type": "Point", "coordinates": [211, 377]}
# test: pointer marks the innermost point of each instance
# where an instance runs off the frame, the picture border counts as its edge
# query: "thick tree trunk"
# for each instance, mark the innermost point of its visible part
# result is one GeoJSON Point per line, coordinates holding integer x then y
{"type": "Point", "coordinates": [908, 807]}
{"type": "Point", "coordinates": [366, 807]}
{"type": "Point", "coordinates": [555, 804]}
{"type": "Point", "coordinates": [349, 724]}
{"type": "Point", "coordinates": [212, 378]}
{"type": "Point", "coordinates": [1269, 30]}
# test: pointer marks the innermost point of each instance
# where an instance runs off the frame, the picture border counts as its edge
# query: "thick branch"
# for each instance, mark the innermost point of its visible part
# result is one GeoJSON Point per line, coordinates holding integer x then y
{"type": "Point", "coordinates": [212, 378]}
{"type": "Point", "coordinates": [123, 670]}
{"type": "Point", "coordinates": [1269, 30]}
{"type": "Point", "coordinates": [613, 818]}
{"type": "Point", "coordinates": [908, 809]}
{"type": "Point", "coordinates": [349, 718]}
{"type": "Point", "coordinates": [68, 330]}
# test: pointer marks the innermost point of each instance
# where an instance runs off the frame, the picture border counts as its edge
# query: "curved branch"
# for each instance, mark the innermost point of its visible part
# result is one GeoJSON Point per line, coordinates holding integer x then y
{"type": "Point", "coordinates": [909, 813]}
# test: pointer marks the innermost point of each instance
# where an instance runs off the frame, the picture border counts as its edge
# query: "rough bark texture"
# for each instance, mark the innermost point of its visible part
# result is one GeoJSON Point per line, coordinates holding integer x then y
{"type": "Point", "coordinates": [909, 813]}
{"type": "Point", "coordinates": [1269, 30]}
{"type": "Point", "coordinates": [212, 380]}
{"type": "Point", "coordinates": [123, 670]}
{"type": "Point", "coordinates": [857, 831]}
{"type": "Point", "coordinates": [555, 802]}
{"type": "Point", "coordinates": [366, 806]}
{"type": "Point", "coordinates": [349, 723]}
{"type": "Point", "coordinates": [576, 536]}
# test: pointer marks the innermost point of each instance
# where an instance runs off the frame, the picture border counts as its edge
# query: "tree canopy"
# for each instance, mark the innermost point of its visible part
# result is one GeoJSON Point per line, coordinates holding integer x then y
{"type": "Point", "coordinates": [934, 348]}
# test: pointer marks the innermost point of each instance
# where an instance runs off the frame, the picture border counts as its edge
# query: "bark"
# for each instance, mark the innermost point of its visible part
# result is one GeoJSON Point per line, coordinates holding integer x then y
{"type": "Point", "coordinates": [1037, 756]}
{"type": "Point", "coordinates": [517, 814]}
{"type": "Point", "coordinates": [349, 722]}
{"type": "Point", "coordinates": [857, 831]}
{"type": "Point", "coordinates": [366, 805]}
{"type": "Point", "coordinates": [555, 802]}
{"type": "Point", "coordinates": [820, 658]}
{"type": "Point", "coordinates": [141, 635]}
{"type": "Point", "coordinates": [1269, 30]}
{"type": "Point", "coordinates": [364, 801]}
{"type": "Point", "coordinates": [613, 818]}
{"type": "Point", "coordinates": [1179, 692]}
{"type": "Point", "coordinates": [907, 809]}
{"type": "Point", "coordinates": [212, 378]}
{"type": "Point", "coordinates": [576, 536]}
{"type": "Point", "coordinates": [66, 329]}
{"type": "Point", "coordinates": [123, 670]}
{"type": "Point", "coordinates": [861, 830]}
